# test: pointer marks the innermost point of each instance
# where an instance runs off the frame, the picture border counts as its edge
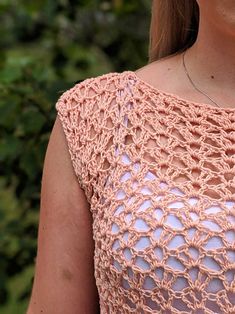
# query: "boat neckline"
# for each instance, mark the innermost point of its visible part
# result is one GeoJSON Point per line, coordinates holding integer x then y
{"type": "Point", "coordinates": [176, 97]}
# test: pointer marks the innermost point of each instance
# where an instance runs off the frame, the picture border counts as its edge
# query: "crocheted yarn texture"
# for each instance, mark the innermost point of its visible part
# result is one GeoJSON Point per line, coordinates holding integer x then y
{"type": "Point", "coordinates": [159, 174]}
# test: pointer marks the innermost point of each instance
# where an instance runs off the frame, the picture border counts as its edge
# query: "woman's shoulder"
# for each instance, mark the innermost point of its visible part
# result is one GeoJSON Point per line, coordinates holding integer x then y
{"type": "Point", "coordinates": [90, 93]}
{"type": "Point", "coordinates": [164, 74]}
{"type": "Point", "coordinates": [89, 87]}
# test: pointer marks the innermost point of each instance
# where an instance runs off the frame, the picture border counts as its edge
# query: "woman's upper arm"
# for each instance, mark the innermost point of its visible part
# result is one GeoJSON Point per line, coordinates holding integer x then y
{"type": "Point", "coordinates": [64, 278]}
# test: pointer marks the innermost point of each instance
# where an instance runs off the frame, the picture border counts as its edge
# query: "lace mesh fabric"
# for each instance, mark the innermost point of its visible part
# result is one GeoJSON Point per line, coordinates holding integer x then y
{"type": "Point", "coordinates": [158, 172]}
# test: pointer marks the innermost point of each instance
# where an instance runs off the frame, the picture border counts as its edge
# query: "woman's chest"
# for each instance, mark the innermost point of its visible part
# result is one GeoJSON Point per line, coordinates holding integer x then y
{"type": "Point", "coordinates": [165, 215]}
{"type": "Point", "coordinates": [160, 240]}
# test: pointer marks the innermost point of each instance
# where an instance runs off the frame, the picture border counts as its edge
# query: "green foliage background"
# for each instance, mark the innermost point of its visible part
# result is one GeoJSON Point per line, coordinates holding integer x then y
{"type": "Point", "coordinates": [46, 47]}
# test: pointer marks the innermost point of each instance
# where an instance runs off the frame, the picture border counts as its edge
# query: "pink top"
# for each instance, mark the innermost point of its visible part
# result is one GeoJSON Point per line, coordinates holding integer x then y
{"type": "Point", "coordinates": [158, 172]}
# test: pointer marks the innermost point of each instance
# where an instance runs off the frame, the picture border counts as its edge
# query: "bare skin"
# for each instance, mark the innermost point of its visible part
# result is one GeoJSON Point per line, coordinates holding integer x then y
{"type": "Point", "coordinates": [210, 61]}
{"type": "Point", "coordinates": [64, 278]}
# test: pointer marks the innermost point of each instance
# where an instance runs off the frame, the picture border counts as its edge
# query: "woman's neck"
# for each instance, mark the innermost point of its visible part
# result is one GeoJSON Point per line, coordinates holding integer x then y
{"type": "Point", "coordinates": [212, 58]}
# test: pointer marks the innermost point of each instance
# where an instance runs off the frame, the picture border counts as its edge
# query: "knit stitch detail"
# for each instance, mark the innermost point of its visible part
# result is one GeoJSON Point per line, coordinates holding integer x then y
{"type": "Point", "coordinates": [159, 174]}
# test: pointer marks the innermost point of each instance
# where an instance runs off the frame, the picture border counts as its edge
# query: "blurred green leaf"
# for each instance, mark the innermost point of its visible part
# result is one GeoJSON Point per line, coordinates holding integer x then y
{"type": "Point", "coordinates": [32, 120]}
{"type": "Point", "coordinates": [9, 111]}
{"type": "Point", "coordinates": [10, 148]}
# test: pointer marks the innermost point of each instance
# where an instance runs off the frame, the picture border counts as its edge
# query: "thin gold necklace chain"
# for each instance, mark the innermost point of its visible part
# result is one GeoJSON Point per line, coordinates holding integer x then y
{"type": "Point", "coordinates": [197, 88]}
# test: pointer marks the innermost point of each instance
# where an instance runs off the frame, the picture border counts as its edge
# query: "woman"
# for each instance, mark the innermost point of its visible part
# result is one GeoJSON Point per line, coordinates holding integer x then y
{"type": "Point", "coordinates": [138, 189]}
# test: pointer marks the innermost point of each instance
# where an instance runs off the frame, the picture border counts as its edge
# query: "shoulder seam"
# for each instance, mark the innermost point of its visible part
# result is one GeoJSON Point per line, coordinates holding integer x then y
{"type": "Point", "coordinates": [92, 81]}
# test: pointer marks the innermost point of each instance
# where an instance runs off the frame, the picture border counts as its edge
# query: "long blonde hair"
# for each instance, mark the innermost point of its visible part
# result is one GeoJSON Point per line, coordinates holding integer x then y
{"type": "Point", "coordinates": [174, 27]}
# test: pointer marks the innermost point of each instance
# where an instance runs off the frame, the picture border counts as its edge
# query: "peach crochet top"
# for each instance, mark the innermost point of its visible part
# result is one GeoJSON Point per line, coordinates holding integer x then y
{"type": "Point", "coordinates": [159, 174]}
